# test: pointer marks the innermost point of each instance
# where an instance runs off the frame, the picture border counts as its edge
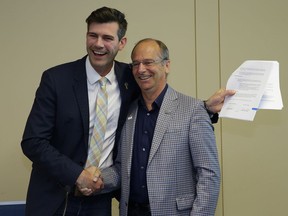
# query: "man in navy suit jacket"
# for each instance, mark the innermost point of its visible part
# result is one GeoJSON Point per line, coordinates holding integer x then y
{"type": "Point", "coordinates": [60, 124]}
{"type": "Point", "coordinates": [58, 129]}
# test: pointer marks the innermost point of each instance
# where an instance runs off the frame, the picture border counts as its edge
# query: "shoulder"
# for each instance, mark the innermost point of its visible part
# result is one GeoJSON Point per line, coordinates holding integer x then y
{"type": "Point", "coordinates": [68, 66]}
{"type": "Point", "coordinates": [123, 72]}
{"type": "Point", "coordinates": [122, 64]}
{"type": "Point", "coordinates": [183, 98]}
{"type": "Point", "coordinates": [65, 73]}
{"type": "Point", "coordinates": [123, 68]}
{"type": "Point", "coordinates": [67, 70]}
{"type": "Point", "coordinates": [185, 104]}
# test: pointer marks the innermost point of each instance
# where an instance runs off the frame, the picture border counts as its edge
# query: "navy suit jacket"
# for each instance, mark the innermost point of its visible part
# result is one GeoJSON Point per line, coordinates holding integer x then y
{"type": "Point", "coordinates": [56, 133]}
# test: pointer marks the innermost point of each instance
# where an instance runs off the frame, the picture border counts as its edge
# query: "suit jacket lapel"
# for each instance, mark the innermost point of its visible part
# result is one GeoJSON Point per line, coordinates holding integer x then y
{"type": "Point", "coordinates": [167, 109]}
{"type": "Point", "coordinates": [81, 94]}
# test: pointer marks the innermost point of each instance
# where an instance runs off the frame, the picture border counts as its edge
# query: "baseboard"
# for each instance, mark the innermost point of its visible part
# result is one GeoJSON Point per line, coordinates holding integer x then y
{"type": "Point", "coordinates": [12, 208]}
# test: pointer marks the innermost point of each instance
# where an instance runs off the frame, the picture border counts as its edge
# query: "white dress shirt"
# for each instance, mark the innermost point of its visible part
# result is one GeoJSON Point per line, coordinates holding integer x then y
{"type": "Point", "coordinates": [114, 103]}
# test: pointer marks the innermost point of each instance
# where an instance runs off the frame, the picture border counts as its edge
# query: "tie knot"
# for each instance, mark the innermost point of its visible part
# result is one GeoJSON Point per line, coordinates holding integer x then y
{"type": "Point", "coordinates": [103, 81]}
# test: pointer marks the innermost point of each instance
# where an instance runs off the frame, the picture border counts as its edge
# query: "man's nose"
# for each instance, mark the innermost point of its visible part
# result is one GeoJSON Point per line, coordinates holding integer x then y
{"type": "Point", "coordinates": [99, 42]}
{"type": "Point", "coordinates": [141, 67]}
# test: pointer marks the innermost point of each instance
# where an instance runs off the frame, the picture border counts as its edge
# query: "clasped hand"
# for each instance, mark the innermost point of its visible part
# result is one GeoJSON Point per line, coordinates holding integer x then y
{"type": "Point", "coordinates": [89, 182]}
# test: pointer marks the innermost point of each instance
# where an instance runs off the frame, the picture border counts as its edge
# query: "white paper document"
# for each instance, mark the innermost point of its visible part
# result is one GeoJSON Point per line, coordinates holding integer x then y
{"type": "Point", "coordinates": [257, 87]}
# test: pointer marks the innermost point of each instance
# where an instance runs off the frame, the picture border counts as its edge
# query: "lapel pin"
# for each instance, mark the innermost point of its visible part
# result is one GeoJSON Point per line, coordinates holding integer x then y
{"type": "Point", "coordinates": [167, 111]}
{"type": "Point", "coordinates": [126, 85]}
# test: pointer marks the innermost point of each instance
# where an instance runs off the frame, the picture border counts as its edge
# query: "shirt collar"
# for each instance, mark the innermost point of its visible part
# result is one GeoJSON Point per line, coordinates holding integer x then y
{"type": "Point", "coordinates": [158, 102]}
{"type": "Point", "coordinates": [93, 76]}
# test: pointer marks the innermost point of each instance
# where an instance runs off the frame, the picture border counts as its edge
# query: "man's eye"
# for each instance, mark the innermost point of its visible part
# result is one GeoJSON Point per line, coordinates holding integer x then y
{"type": "Point", "coordinates": [109, 38]}
{"type": "Point", "coordinates": [135, 64]}
{"type": "Point", "coordinates": [148, 63]}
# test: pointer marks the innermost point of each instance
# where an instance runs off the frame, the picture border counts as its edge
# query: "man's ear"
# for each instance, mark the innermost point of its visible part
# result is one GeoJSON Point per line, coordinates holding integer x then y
{"type": "Point", "coordinates": [167, 65]}
{"type": "Point", "coordinates": [122, 43]}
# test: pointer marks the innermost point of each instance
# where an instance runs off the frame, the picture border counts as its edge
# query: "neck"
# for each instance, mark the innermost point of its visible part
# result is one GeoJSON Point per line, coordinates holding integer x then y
{"type": "Point", "coordinates": [148, 101]}
{"type": "Point", "coordinates": [102, 70]}
{"type": "Point", "coordinates": [150, 96]}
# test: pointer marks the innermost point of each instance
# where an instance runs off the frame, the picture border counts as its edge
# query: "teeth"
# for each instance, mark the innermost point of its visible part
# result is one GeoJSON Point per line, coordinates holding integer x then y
{"type": "Point", "coordinates": [144, 77]}
{"type": "Point", "coordinates": [99, 53]}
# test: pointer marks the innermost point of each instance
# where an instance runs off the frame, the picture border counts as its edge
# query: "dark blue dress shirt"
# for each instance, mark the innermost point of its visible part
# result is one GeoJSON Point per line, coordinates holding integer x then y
{"type": "Point", "coordinates": [144, 130]}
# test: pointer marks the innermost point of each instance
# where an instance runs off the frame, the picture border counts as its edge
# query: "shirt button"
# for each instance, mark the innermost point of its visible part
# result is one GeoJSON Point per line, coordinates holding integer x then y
{"type": "Point", "coordinates": [148, 114]}
{"type": "Point", "coordinates": [145, 132]}
{"type": "Point", "coordinates": [142, 167]}
{"type": "Point", "coordinates": [143, 149]}
{"type": "Point", "coordinates": [143, 186]}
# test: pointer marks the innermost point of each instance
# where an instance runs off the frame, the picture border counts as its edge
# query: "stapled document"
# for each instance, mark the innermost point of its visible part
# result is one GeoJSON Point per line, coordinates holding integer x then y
{"type": "Point", "coordinates": [257, 87]}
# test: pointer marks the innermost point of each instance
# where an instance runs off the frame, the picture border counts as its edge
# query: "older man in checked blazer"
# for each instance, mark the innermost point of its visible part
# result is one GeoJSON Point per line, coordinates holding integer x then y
{"type": "Point", "coordinates": [168, 161]}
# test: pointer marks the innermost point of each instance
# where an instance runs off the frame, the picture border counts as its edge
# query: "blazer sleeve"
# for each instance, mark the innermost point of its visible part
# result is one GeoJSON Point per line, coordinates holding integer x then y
{"type": "Point", "coordinates": [205, 159]}
{"type": "Point", "coordinates": [112, 175]}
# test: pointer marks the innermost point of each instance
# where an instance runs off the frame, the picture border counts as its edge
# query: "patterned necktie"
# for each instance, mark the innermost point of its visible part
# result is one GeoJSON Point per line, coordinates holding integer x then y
{"type": "Point", "coordinates": [100, 123]}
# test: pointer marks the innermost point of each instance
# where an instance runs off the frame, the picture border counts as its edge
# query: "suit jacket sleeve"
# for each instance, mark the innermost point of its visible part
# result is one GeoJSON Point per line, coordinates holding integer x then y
{"type": "Point", "coordinates": [41, 136]}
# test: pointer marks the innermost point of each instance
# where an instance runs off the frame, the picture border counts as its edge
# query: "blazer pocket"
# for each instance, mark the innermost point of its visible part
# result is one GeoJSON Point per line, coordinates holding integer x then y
{"type": "Point", "coordinates": [185, 202]}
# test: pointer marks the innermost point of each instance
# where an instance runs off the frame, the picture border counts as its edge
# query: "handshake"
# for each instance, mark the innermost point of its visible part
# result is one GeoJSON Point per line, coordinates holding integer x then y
{"type": "Point", "coordinates": [89, 182]}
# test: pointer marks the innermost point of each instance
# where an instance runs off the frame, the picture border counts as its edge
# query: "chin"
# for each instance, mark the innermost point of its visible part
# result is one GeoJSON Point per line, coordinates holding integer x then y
{"type": "Point", "coordinates": [145, 88]}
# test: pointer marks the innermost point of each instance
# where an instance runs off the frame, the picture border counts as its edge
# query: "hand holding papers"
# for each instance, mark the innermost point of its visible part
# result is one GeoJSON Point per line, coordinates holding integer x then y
{"type": "Point", "coordinates": [257, 87]}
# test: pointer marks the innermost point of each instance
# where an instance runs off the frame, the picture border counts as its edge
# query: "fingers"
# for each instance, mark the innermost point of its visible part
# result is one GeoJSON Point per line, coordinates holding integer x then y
{"type": "Point", "coordinates": [86, 191]}
{"type": "Point", "coordinates": [220, 95]}
{"type": "Point", "coordinates": [90, 181]}
{"type": "Point", "coordinates": [215, 102]}
{"type": "Point", "coordinates": [97, 177]}
{"type": "Point", "coordinates": [92, 170]}
{"type": "Point", "coordinates": [95, 189]}
{"type": "Point", "coordinates": [95, 183]}
{"type": "Point", "coordinates": [95, 172]}
{"type": "Point", "coordinates": [228, 92]}
{"type": "Point", "coordinates": [98, 184]}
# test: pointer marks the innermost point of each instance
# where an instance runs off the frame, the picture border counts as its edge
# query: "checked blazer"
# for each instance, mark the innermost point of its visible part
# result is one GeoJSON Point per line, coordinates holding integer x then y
{"type": "Point", "coordinates": [183, 174]}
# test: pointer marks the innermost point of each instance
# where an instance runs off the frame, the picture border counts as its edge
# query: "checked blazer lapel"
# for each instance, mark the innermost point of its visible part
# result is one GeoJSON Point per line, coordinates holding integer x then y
{"type": "Point", "coordinates": [130, 130]}
{"type": "Point", "coordinates": [168, 107]}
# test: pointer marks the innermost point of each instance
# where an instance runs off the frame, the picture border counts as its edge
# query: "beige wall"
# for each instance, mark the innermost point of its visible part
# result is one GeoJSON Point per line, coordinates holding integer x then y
{"type": "Point", "coordinates": [208, 40]}
{"type": "Point", "coordinates": [255, 153]}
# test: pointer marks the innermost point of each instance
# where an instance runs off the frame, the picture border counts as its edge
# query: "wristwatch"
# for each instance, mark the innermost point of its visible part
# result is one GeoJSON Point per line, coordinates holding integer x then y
{"type": "Point", "coordinates": [213, 116]}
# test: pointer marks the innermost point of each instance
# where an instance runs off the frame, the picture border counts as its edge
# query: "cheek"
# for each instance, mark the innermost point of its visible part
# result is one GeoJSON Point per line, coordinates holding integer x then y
{"type": "Point", "coordinates": [134, 72]}
{"type": "Point", "coordinates": [89, 43]}
{"type": "Point", "coordinates": [112, 49]}
{"type": "Point", "coordinates": [92, 41]}
{"type": "Point", "coordinates": [161, 76]}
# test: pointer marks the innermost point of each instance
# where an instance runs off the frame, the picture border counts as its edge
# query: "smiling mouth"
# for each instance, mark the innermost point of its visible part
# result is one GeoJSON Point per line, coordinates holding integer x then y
{"type": "Point", "coordinates": [144, 77]}
{"type": "Point", "coordinates": [98, 53]}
